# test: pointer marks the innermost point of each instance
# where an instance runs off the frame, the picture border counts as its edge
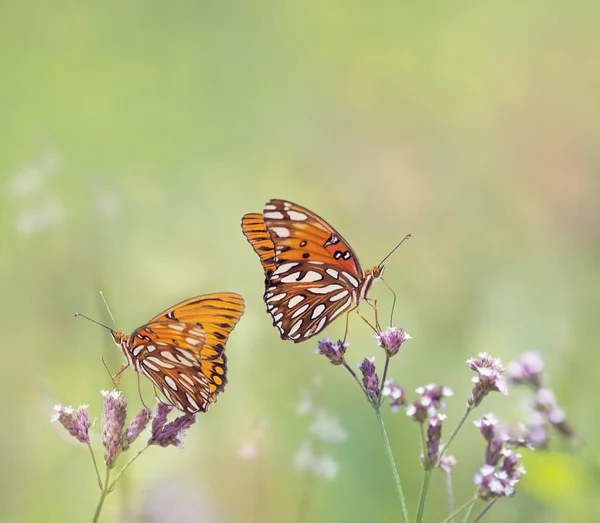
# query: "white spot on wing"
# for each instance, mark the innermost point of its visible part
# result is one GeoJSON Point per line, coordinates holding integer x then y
{"type": "Point", "coordinates": [292, 278]}
{"type": "Point", "coordinates": [270, 207]}
{"type": "Point", "coordinates": [193, 341]}
{"type": "Point", "coordinates": [321, 324]}
{"type": "Point", "coordinates": [137, 350]}
{"type": "Point", "coordinates": [341, 309]}
{"type": "Point", "coordinates": [159, 362]}
{"type": "Point", "coordinates": [275, 215]}
{"type": "Point", "coordinates": [295, 327]}
{"type": "Point", "coordinates": [281, 232]}
{"type": "Point", "coordinates": [169, 356]}
{"type": "Point", "coordinates": [317, 311]}
{"type": "Point", "coordinates": [146, 363]}
{"type": "Point", "coordinates": [278, 297]}
{"type": "Point", "coordinates": [311, 276]}
{"type": "Point", "coordinates": [179, 327]}
{"type": "Point", "coordinates": [191, 401]}
{"type": "Point", "coordinates": [171, 382]}
{"type": "Point", "coordinates": [295, 301]}
{"type": "Point", "coordinates": [278, 316]}
{"type": "Point", "coordinates": [327, 289]}
{"type": "Point", "coordinates": [284, 267]}
{"type": "Point", "coordinates": [350, 278]}
{"type": "Point", "coordinates": [297, 216]}
{"type": "Point", "coordinates": [332, 272]}
{"type": "Point", "coordinates": [301, 310]}
{"type": "Point", "coordinates": [339, 296]}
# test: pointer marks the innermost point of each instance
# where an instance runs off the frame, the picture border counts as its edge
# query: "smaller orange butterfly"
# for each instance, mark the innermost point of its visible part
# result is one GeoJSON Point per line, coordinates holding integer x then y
{"type": "Point", "coordinates": [182, 349]}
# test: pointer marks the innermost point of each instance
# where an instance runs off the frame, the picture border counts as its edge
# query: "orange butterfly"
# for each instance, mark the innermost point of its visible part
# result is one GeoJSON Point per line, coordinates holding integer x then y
{"type": "Point", "coordinates": [312, 274]}
{"type": "Point", "coordinates": [182, 350]}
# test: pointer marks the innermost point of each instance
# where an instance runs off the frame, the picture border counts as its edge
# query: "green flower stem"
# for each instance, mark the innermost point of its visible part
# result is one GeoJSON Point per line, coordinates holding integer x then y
{"type": "Point", "coordinates": [384, 377]}
{"type": "Point", "coordinates": [102, 497]}
{"type": "Point", "coordinates": [392, 463]}
{"type": "Point", "coordinates": [484, 511]}
{"type": "Point", "coordinates": [426, 477]}
{"type": "Point", "coordinates": [470, 508]}
{"type": "Point", "coordinates": [95, 466]}
{"type": "Point", "coordinates": [112, 485]}
{"type": "Point", "coordinates": [454, 432]}
{"type": "Point", "coordinates": [468, 505]}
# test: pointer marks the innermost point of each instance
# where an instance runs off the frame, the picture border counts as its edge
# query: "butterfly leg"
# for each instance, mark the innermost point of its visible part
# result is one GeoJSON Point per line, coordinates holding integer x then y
{"type": "Point", "coordinates": [393, 302]}
{"type": "Point", "coordinates": [117, 376]}
{"type": "Point", "coordinates": [373, 303]}
{"type": "Point", "coordinates": [375, 329]}
{"type": "Point", "coordinates": [348, 316]}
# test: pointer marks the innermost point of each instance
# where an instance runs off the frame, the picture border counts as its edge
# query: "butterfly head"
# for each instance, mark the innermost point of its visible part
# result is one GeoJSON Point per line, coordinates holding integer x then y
{"type": "Point", "coordinates": [377, 272]}
{"type": "Point", "coordinates": [118, 337]}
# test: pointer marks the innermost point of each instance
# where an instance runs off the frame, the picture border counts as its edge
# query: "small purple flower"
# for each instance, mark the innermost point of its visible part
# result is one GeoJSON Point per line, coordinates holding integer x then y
{"type": "Point", "coordinates": [160, 416]}
{"type": "Point", "coordinates": [527, 369]}
{"type": "Point", "coordinates": [113, 421]}
{"type": "Point", "coordinates": [392, 339]}
{"type": "Point", "coordinates": [489, 377]}
{"type": "Point", "coordinates": [172, 433]}
{"type": "Point", "coordinates": [487, 425]}
{"type": "Point", "coordinates": [434, 436]}
{"type": "Point", "coordinates": [77, 425]}
{"type": "Point", "coordinates": [395, 392]}
{"type": "Point", "coordinates": [370, 378]}
{"type": "Point", "coordinates": [429, 403]}
{"type": "Point", "coordinates": [334, 352]}
{"type": "Point", "coordinates": [137, 426]}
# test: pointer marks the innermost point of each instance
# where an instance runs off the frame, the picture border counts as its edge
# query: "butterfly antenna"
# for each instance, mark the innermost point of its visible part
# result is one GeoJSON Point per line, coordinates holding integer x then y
{"type": "Point", "coordinates": [93, 321]}
{"type": "Point", "coordinates": [108, 308]}
{"type": "Point", "coordinates": [394, 249]}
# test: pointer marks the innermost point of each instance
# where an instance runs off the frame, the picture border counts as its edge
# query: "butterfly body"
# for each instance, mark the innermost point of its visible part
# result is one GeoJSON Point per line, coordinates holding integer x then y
{"type": "Point", "coordinates": [182, 350]}
{"type": "Point", "coordinates": [312, 275]}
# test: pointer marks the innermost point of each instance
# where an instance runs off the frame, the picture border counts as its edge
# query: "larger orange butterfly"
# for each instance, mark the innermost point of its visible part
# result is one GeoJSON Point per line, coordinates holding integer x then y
{"type": "Point", "coordinates": [182, 349]}
{"type": "Point", "coordinates": [312, 274]}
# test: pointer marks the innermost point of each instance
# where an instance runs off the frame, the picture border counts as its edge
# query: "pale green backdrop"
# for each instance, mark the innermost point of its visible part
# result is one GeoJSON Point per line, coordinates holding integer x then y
{"type": "Point", "coordinates": [136, 134]}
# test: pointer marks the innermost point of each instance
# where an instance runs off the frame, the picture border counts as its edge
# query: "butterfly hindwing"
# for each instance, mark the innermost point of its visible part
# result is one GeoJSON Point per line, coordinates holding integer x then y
{"type": "Point", "coordinates": [182, 350]}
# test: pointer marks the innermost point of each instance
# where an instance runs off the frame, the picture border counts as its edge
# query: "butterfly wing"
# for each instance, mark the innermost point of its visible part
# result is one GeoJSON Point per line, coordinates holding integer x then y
{"type": "Point", "coordinates": [182, 350]}
{"type": "Point", "coordinates": [312, 273]}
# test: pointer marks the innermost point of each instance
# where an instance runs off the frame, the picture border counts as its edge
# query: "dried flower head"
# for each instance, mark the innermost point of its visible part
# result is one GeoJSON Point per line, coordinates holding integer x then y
{"type": "Point", "coordinates": [113, 421]}
{"type": "Point", "coordinates": [487, 425]}
{"type": "Point", "coordinates": [395, 393]}
{"type": "Point", "coordinates": [77, 425]}
{"type": "Point", "coordinates": [370, 378]}
{"type": "Point", "coordinates": [136, 427]}
{"type": "Point", "coordinates": [391, 340]}
{"type": "Point", "coordinates": [171, 433]}
{"type": "Point", "coordinates": [334, 352]}
{"type": "Point", "coordinates": [489, 377]}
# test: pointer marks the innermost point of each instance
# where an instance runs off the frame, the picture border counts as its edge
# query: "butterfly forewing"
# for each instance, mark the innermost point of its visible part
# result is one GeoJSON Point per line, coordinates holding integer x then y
{"type": "Point", "coordinates": [182, 350]}
{"type": "Point", "coordinates": [312, 274]}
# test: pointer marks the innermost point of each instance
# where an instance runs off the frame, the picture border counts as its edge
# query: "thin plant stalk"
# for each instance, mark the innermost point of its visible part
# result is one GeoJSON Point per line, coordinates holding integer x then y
{"type": "Point", "coordinates": [454, 432]}
{"type": "Point", "coordinates": [95, 466]}
{"type": "Point", "coordinates": [467, 505]}
{"type": "Point", "coordinates": [483, 512]}
{"type": "Point", "coordinates": [124, 467]}
{"type": "Point", "coordinates": [426, 476]}
{"type": "Point", "coordinates": [392, 463]}
{"type": "Point", "coordinates": [103, 495]}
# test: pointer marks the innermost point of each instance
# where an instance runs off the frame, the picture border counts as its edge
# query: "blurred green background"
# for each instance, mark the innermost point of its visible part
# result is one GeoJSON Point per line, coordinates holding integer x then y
{"type": "Point", "coordinates": [136, 135]}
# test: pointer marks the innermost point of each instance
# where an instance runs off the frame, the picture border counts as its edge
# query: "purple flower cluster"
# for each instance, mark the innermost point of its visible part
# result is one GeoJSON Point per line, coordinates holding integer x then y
{"type": "Point", "coordinates": [334, 352]}
{"type": "Point", "coordinates": [370, 378]}
{"type": "Point", "coordinates": [502, 469]}
{"type": "Point", "coordinates": [165, 434]}
{"type": "Point", "coordinates": [527, 370]}
{"type": "Point", "coordinates": [391, 340]}
{"type": "Point", "coordinates": [77, 425]}
{"type": "Point", "coordinates": [429, 402]}
{"type": "Point", "coordinates": [395, 393]}
{"type": "Point", "coordinates": [489, 378]}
